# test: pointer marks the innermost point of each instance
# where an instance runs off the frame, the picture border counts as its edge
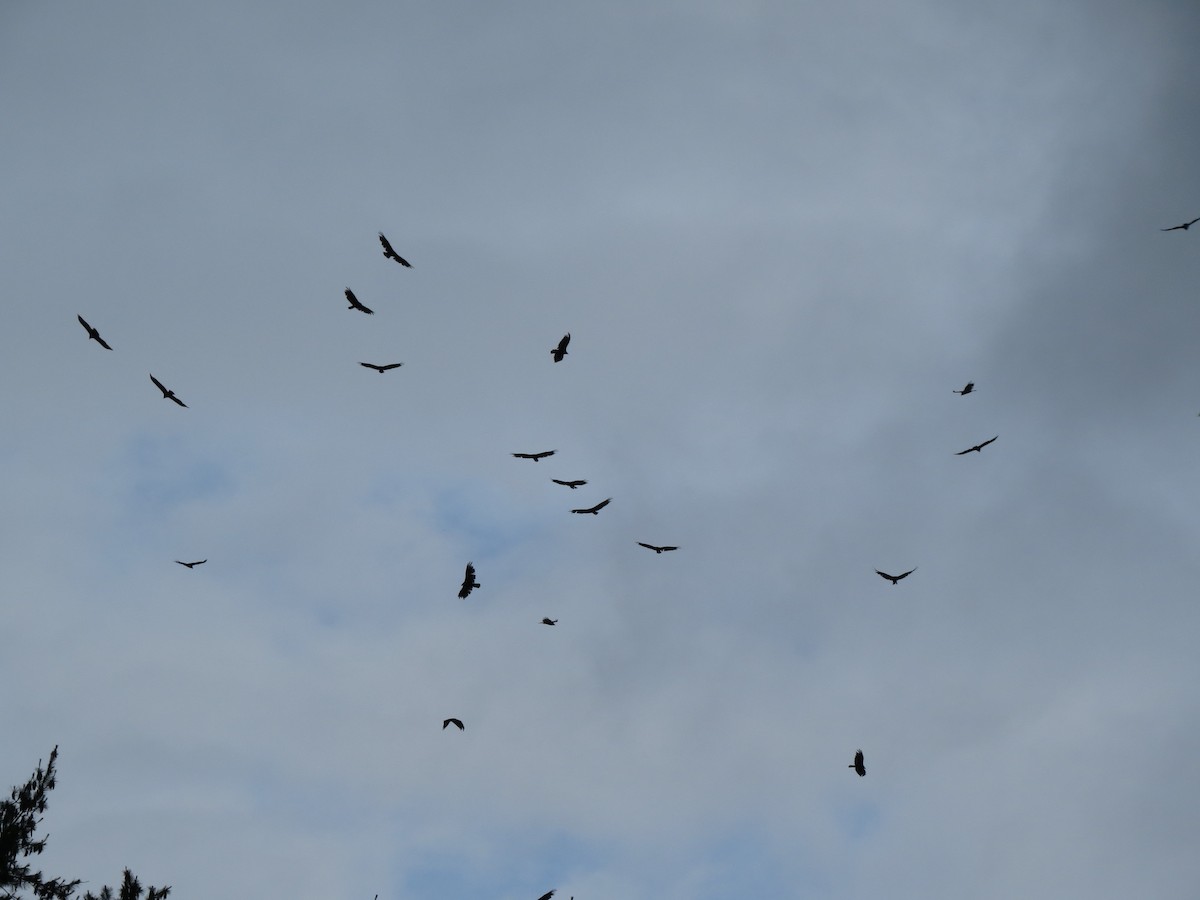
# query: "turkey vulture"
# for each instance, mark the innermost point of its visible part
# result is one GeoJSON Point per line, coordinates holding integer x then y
{"type": "Point", "coordinates": [561, 350]}
{"type": "Point", "coordinates": [970, 387]}
{"type": "Point", "coordinates": [977, 448]}
{"type": "Point", "coordinates": [392, 254]}
{"type": "Point", "coordinates": [167, 395]}
{"type": "Point", "coordinates": [594, 510]}
{"type": "Point", "coordinates": [546, 896]}
{"type": "Point", "coordinates": [656, 549]}
{"type": "Point", "coordinates": [571, 484]}
{"type": "Point", "coordinates": [857, 765]}
{"type": "Point", "coordinates": [354, 304]}
{"type": "Point", "coordinates": [895, 579]}
{"type": "Point", "coordinates": [535, 456]}
{"type": "Point", "coordinates": [1184, 227]}
{"type": "Point", "coordinates": [469, 582]}
{"type": "Point", "coordinates": [93, 334]}
{"type": "Point", "coordinates": [549, 621]}
{"type": "Point", "coordinates": [192, 565]}
{"type": "Point", "coordinates": [381, 369]}
{"type": "Point", "coordinates": [458, 722]}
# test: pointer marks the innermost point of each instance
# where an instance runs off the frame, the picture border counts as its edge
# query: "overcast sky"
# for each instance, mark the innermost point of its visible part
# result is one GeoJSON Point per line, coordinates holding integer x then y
{"type": "Point", "coordinates": [781, 235]}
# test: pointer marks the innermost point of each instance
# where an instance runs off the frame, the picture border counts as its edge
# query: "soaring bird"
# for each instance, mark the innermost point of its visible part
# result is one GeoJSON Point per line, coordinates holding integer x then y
{"type": "Point", "coordinates": [895, 579]}
{"type": "Point", "coordinates": [546, 896]}
{"type": "Point", "coordinates": [970, 387]}
{"type": "Point", "coordinates": [167, 395]}
{"type": "Point", "coordinates": [857, 765]}
{"type": "Point", "coordinates": [571, 484]}
{"type": "Point", "coordinates": [381, 369]}
{"type": "Point", "coordinates": [392, 254]}
{"type": "Point", "coordinates": [549, 621]}
{"type": "Point", "coordinates": [192, 565]}
{"type": "Point", "coordinates": [977, 448]}
{"type": "Point", "coordinates": [93, 333]}
{"type": "Point", "coordinates": [594, 510]}
{"type": "Point", "coordinates": [354, 304]}
{"type": "Point", "coordinates": [458, 722]}
{"type": "Point", "coordinates": [469, 582]}
{"type": "Point", "coordinates": [561, 350]}
{"type": "Point", "coordinates": [535, 456]}
{"type": "Point", "coordinates": [656, 549]}
{"type": "Point", "coordinates": [1184, 227]}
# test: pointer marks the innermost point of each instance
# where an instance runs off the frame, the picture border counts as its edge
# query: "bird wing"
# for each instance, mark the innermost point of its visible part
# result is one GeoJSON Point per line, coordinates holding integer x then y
{"type": "Point", "coordinates": [177, 400]}
{"type": "Point", "coordinates": [390, 366]}
{"type": "Point", "coordinates": [566, 339]}
{"type": "Point", "coordinates": [906, 574]}
{"type": "Point", "coordinates": [101, 341]}
{"type": "Point", "coordinates": [544, 454]}
{"type": "Point", "coordinates": [884, 574]}
{"type": "Point", "coordinates": [372, 366]}
{"type": "Point", "coordinates": [182, 563]}
{"type": "Point", "coordinates": [985, 443]}
{"type": "Point", "coordinates": [387, 248]}
{"type": "Point", "coordinates": [602, 504]}
{"type": "Point", "coordinates": [84, 323]}
{"type": "Point", "coordinates": [400, 259]}
{"type": "Point", "coordinates": [158, 384]}
{"type": "Point", "coordinates": [968, 450]}
{"type": "Point", "coordinates": [668, 548]}
{"type": "Point", "coordinates": [647, 546]}
{"type": "Point", "coordinates": [523, 455]}
{"type": "Point", "coordinates": [546, 896]}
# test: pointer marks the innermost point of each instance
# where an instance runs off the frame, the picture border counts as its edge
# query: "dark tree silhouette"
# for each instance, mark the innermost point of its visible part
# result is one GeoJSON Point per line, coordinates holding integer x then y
{"type": "Point", "coordinates": [19, 818]}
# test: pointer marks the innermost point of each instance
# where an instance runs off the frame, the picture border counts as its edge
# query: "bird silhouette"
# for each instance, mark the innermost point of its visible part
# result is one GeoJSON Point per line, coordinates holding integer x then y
{"type": "Point", "coordinates": [656, 549]}
{"type": "Point", "coordinates": [93, 334]}
{"type": "Point", "coordinates": [392, 254]}
{"type": "Point", "coordinates": [857, 765]}
{"type": "Point", "coordinates": [895, 579]}
{"type": "Point", "coordinates": [192, 565]}
{"type": "Point", "coordinates": [1184, 227]}
{"type": "Point", "coordinates": [167, 395]}
{"type": "Point", "coordinates": [535, 456]}
{"type": "Point", "coordinates": [977, 448]}
{"type": "Point", "coordinates": [546, 896]}
{"type": "Point", "coordinates": [549, 621]}
{"type": "Point", "coordinates": [571, 484]}
{"type": "Point", "coordinates": [469, 582]}
{"type": "Point", "coordinates": [594, 509]}
{"type": "Point", "coordinates": [970, 387]}
{"type": "Point", "coordinates": [561, 350]}
{"type": "Point", "coordinates": [458, 722]}
{"type": "Point", "coordinates": [354, 304]}
{"type": "Point", "coordinates": [381, 369]}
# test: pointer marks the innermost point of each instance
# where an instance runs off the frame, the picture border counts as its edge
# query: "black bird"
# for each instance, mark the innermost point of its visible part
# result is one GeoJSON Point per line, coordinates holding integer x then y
{"type": "Point", "coordinates": [857, 765]}
{"type": "Point", "coordinates": [895, 579]}
{"type": "Point", "coordinates": [354, 304]}
{"type": "Point", "coordinates": [561, 350]}
{"type": "Point", "coordinates": [1184, 227]}
{"type": "Point", "coordinates": [970, 387]}
{"type": "Point", "coordinates": [458, 722]}
{"type": "Point", "coordinates": [167, 395]}
{"type": "Point", "coordinates": [192, 565]}
{"type": "Point", "coordinates": [549, 621]}
{"type": "Point", "coordinates": [656, 549]}
{"type": "Point", "coordinates": [392, 254]}
{"type": "Point", "coordinates": [977, 448]}
{"type": "Point", "coordinates": [546, 896]}
{"type": "Point", "coordinates": [535, 456]}
{"type": "Point", "coordinates": [594, 510]}
{"type": "Point", "coordinates": [381, 369]}
{"type": "Point", "coordinates": [469, 582]}
{"type": "Point", "coordinates": [571, 484]}
{"type": "Point", "coordinates": [93, 333]}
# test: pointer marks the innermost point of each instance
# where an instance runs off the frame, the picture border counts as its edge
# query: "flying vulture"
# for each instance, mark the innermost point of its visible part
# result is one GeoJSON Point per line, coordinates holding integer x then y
{"type": "Point", "coordinates": [977, 448]}
{"type": "Point", "coordinates": [571, 484]}
{"type": "Point", "coordinates": [970, 387]}
{"type": "Point", "coordinates": [895, 579]}
{"type": "Point", "coordinates": [381, 369]}
{"type": "Point", "coordinates": [93, 333]}
{"type": "Point", "coordinates": [354, 304]}
{"type": "Point", "coordinates": [549, 621]}
{"type": "Point", "coordinates": [192, 565]}
{"type": "Point", "coordinates": [857, 765]}
{"type": "Point", "coordinates": [546, 896]}
{"type": "Point", "coordinates": [656, 549]}
{"type": "Point", "coordinates": [458, 722]}
{"type": "Point", "coordinates": [561, 350]}
{"type": "Point", "coordinates": [167, 395]}
{"type": "Point", "coordinates": [594, 510]}
{"type": "Point", "coordinates": [1184, 227]}
{"type": "Point", "coordinates": [535, 456]}
{"type": "Point", "coordinates": [392, 254]}
{"type": "Point", "coordinates": [469, 582]}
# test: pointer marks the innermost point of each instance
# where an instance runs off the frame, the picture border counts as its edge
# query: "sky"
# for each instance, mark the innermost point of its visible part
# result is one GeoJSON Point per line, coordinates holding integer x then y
{"type": "Point", "coordinates": [781, 235]}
